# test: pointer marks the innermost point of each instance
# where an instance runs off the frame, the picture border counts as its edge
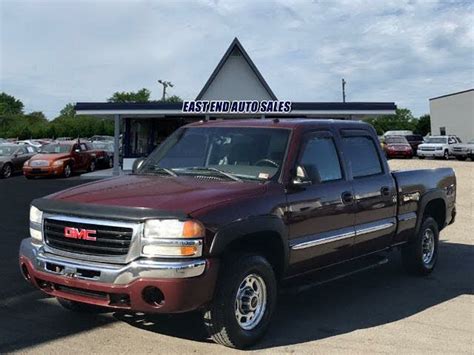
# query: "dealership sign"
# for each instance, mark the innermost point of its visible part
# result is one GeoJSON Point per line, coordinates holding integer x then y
{"type": "Point", "coordinates": [238, 106]}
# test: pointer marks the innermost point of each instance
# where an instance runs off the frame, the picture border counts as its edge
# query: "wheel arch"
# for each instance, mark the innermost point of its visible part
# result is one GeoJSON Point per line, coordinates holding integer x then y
{"type": "Point", "coordinates": [266, 236]}
{"type": "Point", "coordinates": [434, 204]}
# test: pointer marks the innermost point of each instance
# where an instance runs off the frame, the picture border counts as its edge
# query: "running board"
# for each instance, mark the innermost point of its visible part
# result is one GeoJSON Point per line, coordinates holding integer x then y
{"type": "Point", "coordinates": [334, 273]}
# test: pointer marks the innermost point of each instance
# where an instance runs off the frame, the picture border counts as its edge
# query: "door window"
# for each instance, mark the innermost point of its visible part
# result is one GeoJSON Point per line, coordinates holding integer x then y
{"type": "Point", "coordinates": [320, 160]}
{"type": "Point", "coordinates": [362, 155]}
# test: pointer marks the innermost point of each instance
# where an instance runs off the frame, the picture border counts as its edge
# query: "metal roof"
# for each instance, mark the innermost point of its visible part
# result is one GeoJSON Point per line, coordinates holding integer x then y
{"type": "Point", "coordinates": [236, 44]}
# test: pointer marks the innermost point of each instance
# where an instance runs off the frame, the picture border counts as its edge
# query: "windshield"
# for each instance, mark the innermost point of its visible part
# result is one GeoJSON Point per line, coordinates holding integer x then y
{"type": "Point", "coordinates": [103, 146]}
{"type": "Point", "coordinates": [245, 153]}
{"type": "Point", "coordinates": [396, 140]}
{"type": "Point", "coordinates": [7, 150]}
{"type": "Point", "coordinates": [441, 140]}
{"type": "Point", "coordinates": [54, 148]}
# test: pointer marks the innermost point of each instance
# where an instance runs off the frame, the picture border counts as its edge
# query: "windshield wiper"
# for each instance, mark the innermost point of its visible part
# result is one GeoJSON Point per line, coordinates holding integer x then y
{"type": "Point", "coordinates": [157, 168]}
{"type": "Point", "coordinates": [223, 173]}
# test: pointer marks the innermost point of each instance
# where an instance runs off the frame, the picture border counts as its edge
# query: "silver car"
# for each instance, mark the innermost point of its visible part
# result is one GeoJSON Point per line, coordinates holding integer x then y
{"type": "Point", "coordinates": [463, 151]}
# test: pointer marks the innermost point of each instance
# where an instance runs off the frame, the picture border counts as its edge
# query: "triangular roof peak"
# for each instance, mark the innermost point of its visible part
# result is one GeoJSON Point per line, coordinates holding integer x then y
{"type": "Point", "coordinates": [236, 78]}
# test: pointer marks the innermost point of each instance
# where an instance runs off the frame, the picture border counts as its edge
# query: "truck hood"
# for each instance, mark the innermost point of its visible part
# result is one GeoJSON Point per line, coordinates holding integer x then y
{"type": "Point", "coordinates": [431, 145]}
{"type": "Point", "coordinates": [184, 193]}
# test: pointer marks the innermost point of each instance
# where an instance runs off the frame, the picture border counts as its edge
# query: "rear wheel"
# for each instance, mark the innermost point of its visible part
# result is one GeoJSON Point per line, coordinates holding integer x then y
{"type": "Point", "coordinates": [244, 302]}
{"type": "Point", "coordinates": [79, 307]}
{"type": "Point", "coordinates": [92, 166]}
{"type": "Point", "coordinates": [7, 171]}
{"type": "Point", "coordinates": [420, 255]}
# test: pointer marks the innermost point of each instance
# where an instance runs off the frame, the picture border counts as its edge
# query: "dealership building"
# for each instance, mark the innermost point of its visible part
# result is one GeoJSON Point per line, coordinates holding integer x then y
{"type": "Point", "coordinates": [145, 125]}
{"type": "Point", "coordinates": [453, 114]}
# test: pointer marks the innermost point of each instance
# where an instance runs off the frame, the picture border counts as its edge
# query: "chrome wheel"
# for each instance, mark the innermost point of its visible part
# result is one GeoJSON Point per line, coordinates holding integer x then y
{"type": "Point", "coordinates": [67, 171]}
{"type": "Point", "coordinates": [428, 246]}
{"type": "Point", "coordinates": [7, 171]}
{"type": "Point", "coordinates": [250, 302]}
{"type": "Point", "coordinates": [92, 166]}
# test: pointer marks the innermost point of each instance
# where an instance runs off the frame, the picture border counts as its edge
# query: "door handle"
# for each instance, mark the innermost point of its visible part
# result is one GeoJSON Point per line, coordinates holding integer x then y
{"type": "Point", "coordinates": [347, 197]}
{"type": "Point", "coordinates": [385, 191]}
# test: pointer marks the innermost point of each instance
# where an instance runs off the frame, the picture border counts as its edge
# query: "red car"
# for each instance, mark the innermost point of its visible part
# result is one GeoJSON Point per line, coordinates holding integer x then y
{"type": "Point", "coordinates": [397, 147]}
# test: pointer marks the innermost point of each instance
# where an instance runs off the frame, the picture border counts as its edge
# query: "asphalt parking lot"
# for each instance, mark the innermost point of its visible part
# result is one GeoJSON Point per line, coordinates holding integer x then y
{"type": "Point", "coordinates": [379, 311]}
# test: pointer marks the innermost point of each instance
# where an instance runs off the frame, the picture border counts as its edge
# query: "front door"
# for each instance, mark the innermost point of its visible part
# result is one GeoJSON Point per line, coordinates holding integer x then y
{"type": "Point", "coordinates": [320, 206]}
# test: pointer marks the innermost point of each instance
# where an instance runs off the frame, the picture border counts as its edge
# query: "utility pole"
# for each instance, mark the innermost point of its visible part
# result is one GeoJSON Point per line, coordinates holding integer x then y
{"type": "Point", "coordinates": [343, 90]}
{"type": "Point", "coordinates": [165, 85]}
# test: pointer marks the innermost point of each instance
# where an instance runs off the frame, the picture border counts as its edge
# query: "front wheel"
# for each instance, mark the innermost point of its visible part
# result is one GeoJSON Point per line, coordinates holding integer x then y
{"type": "Point", "coordinates": [446, 155]}
{"type": "Point", "coordinates": [67, 171]}
{"type": "Point", "coordinates": [244, 302]}
{"type": "Point", "coordinates": [420, 255]}
{"type": "Point", "coordinates": [92, 166]}
{"type": "Point", "coordinates": [7, 171]}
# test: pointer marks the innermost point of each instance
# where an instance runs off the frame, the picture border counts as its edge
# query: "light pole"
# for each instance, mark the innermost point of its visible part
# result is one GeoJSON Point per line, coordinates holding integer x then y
{"type": "Point", "coordinates": [343, 90]}
{"type": "Point", "coordinates": [165, 85]}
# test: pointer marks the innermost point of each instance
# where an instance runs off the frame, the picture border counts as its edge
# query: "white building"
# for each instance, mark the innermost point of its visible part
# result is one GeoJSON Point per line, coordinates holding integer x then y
{"type": "Point", "coordinates": [453, 114]}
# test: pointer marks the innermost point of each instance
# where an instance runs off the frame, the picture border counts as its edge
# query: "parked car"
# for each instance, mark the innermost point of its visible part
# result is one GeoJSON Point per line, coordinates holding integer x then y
{"type": "Point", "coordinates": [34, 143]}
{"type": "Point", "coordinates": [223, 213]}
{"type": "Point", "coordinates": [107, 147]}
{"type": "Point", "coordinates": [12, 158]}
{"type": "Point", "coordinates": [60, 159]}
{"type": "Point", "coordinates": [463, 151]}
{"type": "Point", "coordinates": [414, 140]}
{"type": "Point", "coordinates": [437, 147]}
{"type": "Point", "coordinates": [98, 138]}
{"type": "Point", "coordinates": [397, 147]}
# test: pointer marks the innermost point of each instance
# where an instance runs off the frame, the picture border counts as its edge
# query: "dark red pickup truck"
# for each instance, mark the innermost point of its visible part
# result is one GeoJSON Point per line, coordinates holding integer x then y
{"type": "Point", "coordinates": [224, 213]}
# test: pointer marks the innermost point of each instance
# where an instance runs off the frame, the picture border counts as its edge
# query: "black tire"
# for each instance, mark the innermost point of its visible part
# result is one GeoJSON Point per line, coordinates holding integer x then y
{"type": "Point", "coordinates": [7, 171]}
{"type": "Point", "coordinates": [110, 163]}
{"type": "Point", "coordinates": [220, 318]}
{"type": "Point", "coordinates": [79, 307]}
{"type": "Point", "coordinates": [414, 254]}
{"type": "Point", "coordinates": [67, 170]}
{"type": "Point", "coordinates": [461, 158]}
{"type": "Point", "coordinates": [421, 157]}
{"type": "Point", "coordinates": [446, 155]}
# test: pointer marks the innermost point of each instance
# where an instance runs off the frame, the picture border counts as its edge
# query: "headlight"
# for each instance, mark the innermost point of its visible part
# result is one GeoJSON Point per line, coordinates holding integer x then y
{"type": "Point", "coordinates": [170, 238]}
{"type": "Point", "coordinates": [26, 163]}
{"type": "Point", "coordinates": [36, 223]}
{"type": "Point", "coordinates": [58, 163]}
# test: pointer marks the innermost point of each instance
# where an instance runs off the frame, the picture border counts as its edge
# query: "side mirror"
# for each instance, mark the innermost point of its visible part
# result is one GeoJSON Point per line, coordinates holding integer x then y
{"type": "Point", "coordinates": [301, 177]}
{"type": "Point", "coordinates": [137, 164]}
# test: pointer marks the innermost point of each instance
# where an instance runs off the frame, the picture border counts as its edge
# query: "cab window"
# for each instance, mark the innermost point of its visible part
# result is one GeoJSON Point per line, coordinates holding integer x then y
{"type": "Point", "coordinates": [319, 159]}
{"type": "Point", "coordinates": [361, 153]}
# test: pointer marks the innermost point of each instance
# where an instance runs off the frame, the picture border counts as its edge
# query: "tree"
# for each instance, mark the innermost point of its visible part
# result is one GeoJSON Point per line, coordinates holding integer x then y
{"type": "Point", "coordinates": [402, 120]}
{"type": "Point", "coordinates": [423, 125]}
{"type": "Point", "coordinates": [142, 95]}
{"type": "Point", "coordinates": [68, 110]}
{"type": "Point", "coordinates": [10, 105]}
{"type": "Point", "coordinates": [172, 100]}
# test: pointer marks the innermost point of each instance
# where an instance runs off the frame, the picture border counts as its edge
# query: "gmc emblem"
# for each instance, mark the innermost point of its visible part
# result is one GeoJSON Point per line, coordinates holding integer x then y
{"type": "Point", "coordinates": [83, 234]}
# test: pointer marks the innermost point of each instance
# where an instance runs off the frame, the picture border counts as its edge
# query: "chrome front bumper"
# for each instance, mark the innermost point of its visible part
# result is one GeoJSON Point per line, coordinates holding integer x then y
{"type": "Point", "coordinates": [109, 273]}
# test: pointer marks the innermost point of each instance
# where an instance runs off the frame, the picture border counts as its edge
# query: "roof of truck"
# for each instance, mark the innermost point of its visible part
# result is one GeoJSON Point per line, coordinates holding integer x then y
{"type": "Point", "coordinates": [291, 123]}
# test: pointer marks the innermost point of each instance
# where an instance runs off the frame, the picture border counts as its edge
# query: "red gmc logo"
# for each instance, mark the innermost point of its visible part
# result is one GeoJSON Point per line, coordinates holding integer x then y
{"type": "Point", "coordinates": [75, 233]}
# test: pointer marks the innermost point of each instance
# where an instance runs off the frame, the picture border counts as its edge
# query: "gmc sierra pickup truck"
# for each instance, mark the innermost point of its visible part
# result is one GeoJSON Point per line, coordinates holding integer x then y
{"type": "Point", "coordinates": [224, 213]}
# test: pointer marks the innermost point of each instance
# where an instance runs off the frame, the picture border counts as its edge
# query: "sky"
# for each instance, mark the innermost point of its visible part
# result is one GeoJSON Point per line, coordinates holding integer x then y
{"type": "Point", "coordinates": [56, 52]}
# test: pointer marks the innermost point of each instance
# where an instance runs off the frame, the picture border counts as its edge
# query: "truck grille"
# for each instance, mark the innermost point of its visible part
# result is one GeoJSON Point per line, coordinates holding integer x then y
{"type": "Point", "coordinates": [109, 240]}
{"type": "Point", "coordinates": [428, 149]}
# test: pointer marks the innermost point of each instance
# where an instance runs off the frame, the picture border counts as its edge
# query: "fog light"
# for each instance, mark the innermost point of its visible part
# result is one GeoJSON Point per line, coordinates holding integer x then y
{"type": "Point", "coordinates": [153, 296]}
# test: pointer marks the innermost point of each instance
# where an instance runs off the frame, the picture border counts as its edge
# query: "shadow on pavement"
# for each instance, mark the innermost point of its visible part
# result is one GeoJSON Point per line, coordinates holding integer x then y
{"type": "Point", "coordinates": [364, 300]}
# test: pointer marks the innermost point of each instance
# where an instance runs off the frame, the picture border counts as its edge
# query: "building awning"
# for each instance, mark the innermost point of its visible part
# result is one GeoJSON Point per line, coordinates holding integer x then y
{"type": "Point", "coordinates": [309, 109]}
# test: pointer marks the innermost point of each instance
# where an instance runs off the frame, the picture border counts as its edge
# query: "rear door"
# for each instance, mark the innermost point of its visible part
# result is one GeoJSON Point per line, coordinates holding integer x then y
{"type": "Point", "coordinates": [320, 209]}
{"type": "Point", "coordinates": [374, 191]}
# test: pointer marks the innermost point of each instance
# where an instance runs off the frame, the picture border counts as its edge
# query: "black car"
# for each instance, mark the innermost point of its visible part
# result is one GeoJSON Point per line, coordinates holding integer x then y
{"type": "Point", "coordinates": [12, 158]}
{"type": "Point", "coordinates": [414, 140]}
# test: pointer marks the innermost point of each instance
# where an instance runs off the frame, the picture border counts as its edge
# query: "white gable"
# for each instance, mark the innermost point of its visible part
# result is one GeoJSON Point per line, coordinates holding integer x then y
{"type": "Point", "coordinates": [235, 80]}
